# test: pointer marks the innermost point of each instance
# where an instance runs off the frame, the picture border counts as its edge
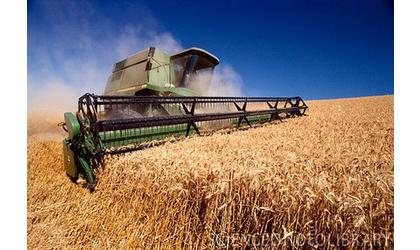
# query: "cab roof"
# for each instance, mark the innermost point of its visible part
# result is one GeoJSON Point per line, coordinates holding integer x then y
{"type": "Point", "coordinates": [199, 52]}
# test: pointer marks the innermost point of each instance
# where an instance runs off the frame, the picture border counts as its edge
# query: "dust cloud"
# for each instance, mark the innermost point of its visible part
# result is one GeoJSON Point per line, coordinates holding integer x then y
{"type": "Point", "coordinates": [80, 60]}
{"type": "Point", "coordinates": [224, 81]}
{"type": "Point", "coordinates": [74, 51]}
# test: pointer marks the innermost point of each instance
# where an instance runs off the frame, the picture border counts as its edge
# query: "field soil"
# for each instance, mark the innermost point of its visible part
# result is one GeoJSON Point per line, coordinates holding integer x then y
{"type": "Point", "coordinates": [323, 180]}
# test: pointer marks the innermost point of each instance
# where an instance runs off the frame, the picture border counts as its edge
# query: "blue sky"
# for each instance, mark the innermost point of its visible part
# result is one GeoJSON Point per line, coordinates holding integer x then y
{"type": "Point", "coordinates": [316, 49]}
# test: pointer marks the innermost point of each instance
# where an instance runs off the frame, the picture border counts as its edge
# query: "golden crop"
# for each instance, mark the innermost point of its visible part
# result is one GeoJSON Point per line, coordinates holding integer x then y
{"type": "Point", "coordinates": [324, 180]}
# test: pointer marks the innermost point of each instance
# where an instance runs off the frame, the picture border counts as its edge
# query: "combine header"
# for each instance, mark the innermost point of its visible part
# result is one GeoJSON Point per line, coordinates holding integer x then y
{"type": "Point", "coordinates": [141, 107]}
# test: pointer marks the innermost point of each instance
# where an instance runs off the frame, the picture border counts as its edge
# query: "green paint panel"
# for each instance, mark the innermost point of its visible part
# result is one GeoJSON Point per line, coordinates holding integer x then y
{"type": "Point", "coordinates": [72, 125]}
{"type": "Point", "coordinates": [159, 75]}
{"type": "Point", "coordinates": [120, 138]}
{"type": "Point", "coordinates": [69, 160]}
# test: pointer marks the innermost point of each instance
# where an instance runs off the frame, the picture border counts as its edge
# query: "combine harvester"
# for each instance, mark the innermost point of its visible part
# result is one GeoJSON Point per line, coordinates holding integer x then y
{"type": "Point", "coordinates": [150, 96]}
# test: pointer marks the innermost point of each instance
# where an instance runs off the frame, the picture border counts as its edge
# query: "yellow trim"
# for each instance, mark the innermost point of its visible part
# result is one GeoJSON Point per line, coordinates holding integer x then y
{"type": "Point", "coordinates": [126, 89]}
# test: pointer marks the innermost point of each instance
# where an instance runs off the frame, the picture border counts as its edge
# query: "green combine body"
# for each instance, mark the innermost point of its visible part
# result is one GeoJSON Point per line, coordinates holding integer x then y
{"type": "Point", "coordinates": [152, 95]}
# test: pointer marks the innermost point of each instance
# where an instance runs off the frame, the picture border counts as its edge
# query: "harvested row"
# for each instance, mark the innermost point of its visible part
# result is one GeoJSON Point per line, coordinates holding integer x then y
{"type": "Point", "coordinates": [325, 179]}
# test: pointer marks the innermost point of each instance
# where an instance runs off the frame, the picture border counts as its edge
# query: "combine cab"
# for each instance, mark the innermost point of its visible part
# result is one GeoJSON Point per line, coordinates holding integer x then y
{"type": "Point", "coordinates": [151, 96]}
{"type": "Point", "coordinates": [152, 72]}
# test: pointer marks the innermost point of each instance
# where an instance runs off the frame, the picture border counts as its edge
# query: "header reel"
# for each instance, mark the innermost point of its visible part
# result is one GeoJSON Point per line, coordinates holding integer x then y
{"type": "Point", "coordinates": [118, 124]}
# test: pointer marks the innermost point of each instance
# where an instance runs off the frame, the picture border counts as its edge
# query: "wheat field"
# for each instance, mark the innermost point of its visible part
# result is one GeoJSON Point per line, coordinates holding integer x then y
{"type": "Point", "coordinates": [323, 180]}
